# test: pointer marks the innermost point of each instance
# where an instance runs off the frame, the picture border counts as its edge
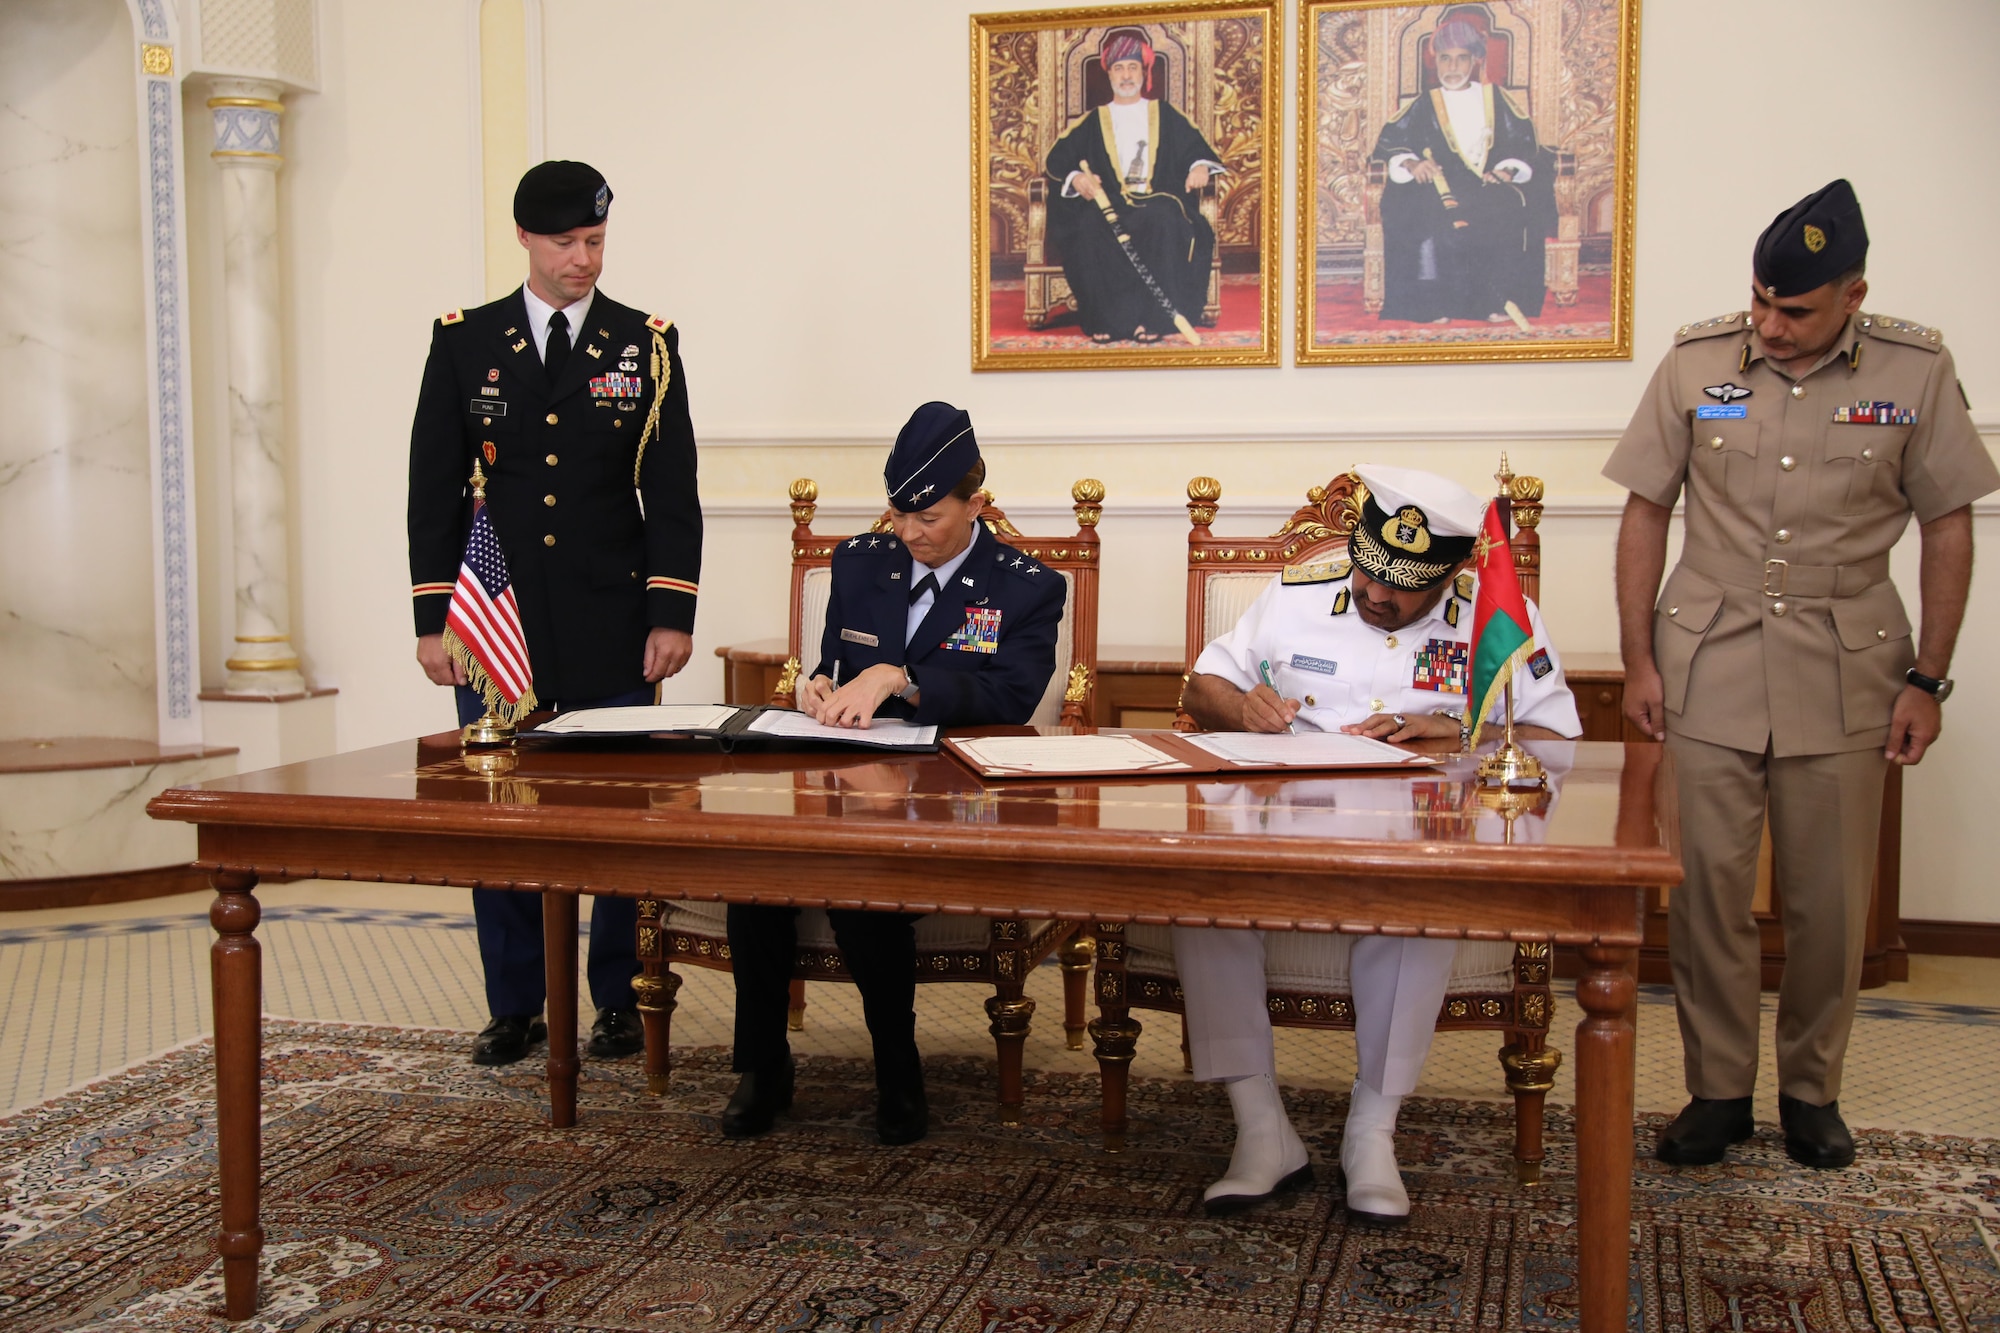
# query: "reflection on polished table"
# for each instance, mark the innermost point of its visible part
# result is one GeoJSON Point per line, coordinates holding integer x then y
{"type": "Point", "coordinates": [839, 828]}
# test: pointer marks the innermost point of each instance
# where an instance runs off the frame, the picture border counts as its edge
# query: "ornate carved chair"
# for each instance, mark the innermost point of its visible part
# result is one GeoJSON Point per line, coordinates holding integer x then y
{"type": "Point", "coordinates": [1494, 986]}
{"type": "Point", "coordinates": [1047, 289]}
{"type": "Point", "coordinates": [1529, 72]}
{"type": "Point", "coordinates": [949, 948]}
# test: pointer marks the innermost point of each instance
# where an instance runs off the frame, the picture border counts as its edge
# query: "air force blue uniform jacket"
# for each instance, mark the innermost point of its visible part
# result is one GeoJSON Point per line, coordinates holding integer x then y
{"type": "Point", "coordinates": [983, 654]}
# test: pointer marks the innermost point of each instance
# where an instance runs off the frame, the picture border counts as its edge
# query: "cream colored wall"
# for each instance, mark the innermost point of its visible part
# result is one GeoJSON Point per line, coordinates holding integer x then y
{"type": "Point", "coordinates": [794, 192]}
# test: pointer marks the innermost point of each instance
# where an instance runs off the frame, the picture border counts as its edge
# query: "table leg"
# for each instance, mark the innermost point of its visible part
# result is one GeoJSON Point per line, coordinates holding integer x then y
{"type": "Point", "coordinates": [559, 956]}
{"type": "Point", "coordinates": [1605, 1050]}
{"type": "Point", "coordinates": [236, 973]}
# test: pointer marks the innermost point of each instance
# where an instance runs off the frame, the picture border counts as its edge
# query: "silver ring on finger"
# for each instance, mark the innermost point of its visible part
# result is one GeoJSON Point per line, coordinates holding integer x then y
{"type": "Point", "coordinates": [1399, 720]}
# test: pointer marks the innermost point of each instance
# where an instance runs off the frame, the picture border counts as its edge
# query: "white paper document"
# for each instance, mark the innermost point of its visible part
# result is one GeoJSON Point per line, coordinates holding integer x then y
{"type": "Point", "coordinates": [879, 731]}
{"type": "Point", "coordinates": [1308, 749]}
{"type": "Point", "coordinates": [1067, 754]}
{"type": "Point", "coordinates": [642, 720]}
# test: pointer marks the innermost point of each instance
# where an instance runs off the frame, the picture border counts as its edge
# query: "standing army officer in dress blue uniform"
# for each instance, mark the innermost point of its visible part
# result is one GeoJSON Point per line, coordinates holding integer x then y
{"type": "Point", "coordinates": [935, 621]}
{"type": "Point", "coordinates": [576, 408]}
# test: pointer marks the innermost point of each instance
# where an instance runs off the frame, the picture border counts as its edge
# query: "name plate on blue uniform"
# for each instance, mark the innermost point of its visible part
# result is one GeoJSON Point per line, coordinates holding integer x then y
{"type": "Point", "coordinates": [1721, 412]}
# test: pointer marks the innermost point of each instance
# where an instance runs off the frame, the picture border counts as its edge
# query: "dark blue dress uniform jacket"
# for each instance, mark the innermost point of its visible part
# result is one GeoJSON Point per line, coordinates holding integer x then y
{"type": "Point", "coordinates": [960, 682]}
{"type": "Point", "coordinates": [593, 571]}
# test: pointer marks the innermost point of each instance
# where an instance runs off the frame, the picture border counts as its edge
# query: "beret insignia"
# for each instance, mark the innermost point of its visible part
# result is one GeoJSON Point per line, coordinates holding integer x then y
{"type": "Point", "coordinates": [1815, 239]}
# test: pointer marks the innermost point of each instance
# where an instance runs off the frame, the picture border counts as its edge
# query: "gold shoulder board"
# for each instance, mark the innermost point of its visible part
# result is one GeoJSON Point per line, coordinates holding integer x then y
{"type": "Point", "coordinates": [1902, 331]}
{"type": "Point", "coordinates": [1324, 571]}
{"type": "Point", "coordinates": [658, 323]}
{"type": "Point", "coordinates": [1463, 585]}
{"type": "Point", "coordinates": [1735, 322]}
{"type": "Point", "coordinates": [453, 316]}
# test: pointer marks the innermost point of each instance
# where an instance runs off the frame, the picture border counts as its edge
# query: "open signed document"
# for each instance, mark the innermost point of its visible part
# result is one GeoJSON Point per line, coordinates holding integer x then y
{"type": "Point", "coordinates": [1110, 754]}
{"type": "Point", "coordinates": [766, 728]}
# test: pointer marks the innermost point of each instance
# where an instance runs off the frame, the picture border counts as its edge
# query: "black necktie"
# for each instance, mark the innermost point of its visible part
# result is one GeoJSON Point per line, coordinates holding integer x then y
{"type": "Point", "coordinates": [558, 348]}
{"type": "Point", "coordinates": [927, 584]}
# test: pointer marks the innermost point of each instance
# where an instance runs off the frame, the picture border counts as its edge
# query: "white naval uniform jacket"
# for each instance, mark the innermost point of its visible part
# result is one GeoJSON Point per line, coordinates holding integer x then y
{"type": "Point", "coordinates": [1342, 669]}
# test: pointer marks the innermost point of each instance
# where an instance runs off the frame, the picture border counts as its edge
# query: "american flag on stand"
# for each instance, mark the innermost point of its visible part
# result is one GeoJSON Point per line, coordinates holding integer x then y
{"type": "Point", "coordinates": [483, 626]}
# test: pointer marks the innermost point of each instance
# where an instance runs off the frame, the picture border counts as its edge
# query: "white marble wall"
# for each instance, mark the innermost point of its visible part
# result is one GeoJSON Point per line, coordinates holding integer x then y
{"type": "Point", "coordinates": [92, 821]}
{"type": "Point", "coordinates": [76, 558]}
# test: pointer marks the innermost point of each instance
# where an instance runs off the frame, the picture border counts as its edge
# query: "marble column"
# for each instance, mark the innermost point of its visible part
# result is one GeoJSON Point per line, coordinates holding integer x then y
{"type": "Point", "coordinates": [247, 113]}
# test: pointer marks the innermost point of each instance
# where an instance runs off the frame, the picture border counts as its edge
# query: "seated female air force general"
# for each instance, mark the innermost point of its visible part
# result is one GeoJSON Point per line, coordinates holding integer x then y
{"type": "Point", "coordinates": [1377, 645]}
{"type": "Point", "coordinates": [935, 621]}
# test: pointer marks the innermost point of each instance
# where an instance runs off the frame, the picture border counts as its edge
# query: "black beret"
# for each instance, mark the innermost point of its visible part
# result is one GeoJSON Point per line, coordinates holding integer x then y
{"type": "Point", "coordinates": [1811, 243]}
{"type": "Point", "coordinates": [932, 454]}
{"type": "Point", "coordinates": [558, 196]}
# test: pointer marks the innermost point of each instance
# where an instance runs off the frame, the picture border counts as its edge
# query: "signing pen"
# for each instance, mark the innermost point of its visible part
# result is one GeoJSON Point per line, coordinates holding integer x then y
{"type": "Point", "coordinates": [1264, 668]}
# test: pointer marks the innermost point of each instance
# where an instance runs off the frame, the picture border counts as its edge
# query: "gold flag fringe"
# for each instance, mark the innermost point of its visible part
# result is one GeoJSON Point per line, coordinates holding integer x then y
{"type": "Point", "coordinates": [663, 371]}
{"type": "Point", "coordinates": [1515, 661]}
{"type": "Point", "coordinates": [476, 677]}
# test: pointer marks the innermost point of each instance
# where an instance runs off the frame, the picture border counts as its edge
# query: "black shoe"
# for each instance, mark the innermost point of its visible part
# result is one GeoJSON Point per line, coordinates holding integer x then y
{"type": "Point", "coordinates": [505, 1040]}
{"type": "Point", "coordinates": [1703, 1131]}
{"type": "Point", "coordinates": [616, 1032]}
{"type": "Point", "coordinates": [1815, 1136]}
{"type": "Point", "coordinates": [902, 1113]}
{"type": "Point", "coordinates": [753, 1108]}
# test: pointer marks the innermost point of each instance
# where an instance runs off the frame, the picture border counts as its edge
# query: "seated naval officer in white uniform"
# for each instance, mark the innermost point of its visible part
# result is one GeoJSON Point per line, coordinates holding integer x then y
{"type": "Point", "coordinates": [1377, 644]}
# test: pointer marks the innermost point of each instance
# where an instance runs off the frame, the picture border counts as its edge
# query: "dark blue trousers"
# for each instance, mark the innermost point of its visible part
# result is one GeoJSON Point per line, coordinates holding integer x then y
{"type": "Point", "coordinates": [510, 924]}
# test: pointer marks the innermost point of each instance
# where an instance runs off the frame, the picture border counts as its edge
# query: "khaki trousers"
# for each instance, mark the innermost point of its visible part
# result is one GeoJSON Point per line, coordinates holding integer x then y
{"type": "Point", "coordinates": [1826, 813]}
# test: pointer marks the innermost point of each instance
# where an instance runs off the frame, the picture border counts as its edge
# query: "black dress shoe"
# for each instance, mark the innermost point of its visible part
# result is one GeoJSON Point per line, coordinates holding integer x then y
{"type": "Point", "coordinates": [1815, 1136]}
{"type": "Point", "coordinates": [505, 1040]}
{"type": "Point", "coordinates": [1703, 1131]}
{"type": "Point", "coordinates": [753, 1108]}
{"type": "Point", "coordinates": [616, 1032]}
{"type": "Point", "coordinates": [902, 1114]}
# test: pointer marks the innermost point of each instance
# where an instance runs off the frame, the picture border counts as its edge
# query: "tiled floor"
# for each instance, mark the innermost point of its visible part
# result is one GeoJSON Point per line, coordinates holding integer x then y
{"type": "Point", "coordinates": [87, 991]}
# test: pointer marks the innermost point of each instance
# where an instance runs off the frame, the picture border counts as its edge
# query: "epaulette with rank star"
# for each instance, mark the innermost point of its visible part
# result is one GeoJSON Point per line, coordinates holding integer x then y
{"type": "Point", "coordinates": [1902, 331]}
{"type": "Point", "coordinates": [1323, 571]}
{"type": "Point", "coordinates": [1735, 322]}
{"type": "Point", "coordinates": [1020, 566]}
{"type": "Point", "coordinates": [453, 316]}
{"type": "Point", "coordinates": [880, 543]}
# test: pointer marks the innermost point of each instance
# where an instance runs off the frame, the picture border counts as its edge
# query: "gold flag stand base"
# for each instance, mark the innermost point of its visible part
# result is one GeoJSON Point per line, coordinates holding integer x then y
{"type": "Point", "coordinates": [488, 730]}
{"type": "Point", "coordinates": [1510, 766]}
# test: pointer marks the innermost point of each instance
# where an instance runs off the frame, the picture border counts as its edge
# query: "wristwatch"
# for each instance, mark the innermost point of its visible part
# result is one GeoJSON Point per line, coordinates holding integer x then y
{"type": "Point", "coordinates": [908, 694]}
{"type": "Point", "coordinates": [1938, 689]}
{"type": "Point", "coordinates": [1464, 729]}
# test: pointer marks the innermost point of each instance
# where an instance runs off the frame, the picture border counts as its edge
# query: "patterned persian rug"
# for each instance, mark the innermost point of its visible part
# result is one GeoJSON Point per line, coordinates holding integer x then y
{"type": "Point", "coordinates": [407, 1190]}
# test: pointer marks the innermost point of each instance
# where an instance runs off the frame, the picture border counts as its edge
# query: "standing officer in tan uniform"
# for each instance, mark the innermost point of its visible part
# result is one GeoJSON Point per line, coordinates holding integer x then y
{"type": "Point", "coordinates": [1777, 663]}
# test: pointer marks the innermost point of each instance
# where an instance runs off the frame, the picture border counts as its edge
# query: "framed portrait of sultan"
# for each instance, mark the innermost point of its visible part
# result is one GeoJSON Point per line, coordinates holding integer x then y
{"type": "Point", "coordinates": [1466, 180]}
{"type": "Point", "coordinates": [1126, 186]}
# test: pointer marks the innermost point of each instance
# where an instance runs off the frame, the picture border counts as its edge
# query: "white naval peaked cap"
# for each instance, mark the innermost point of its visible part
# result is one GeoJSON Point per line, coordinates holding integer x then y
{"type": "Point", "coordinates": [1452, 510]}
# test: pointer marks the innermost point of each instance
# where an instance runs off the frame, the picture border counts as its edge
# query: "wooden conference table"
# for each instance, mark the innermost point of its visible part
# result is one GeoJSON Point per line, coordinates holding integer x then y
{"type": "Point", "coordinates": [922, 834]}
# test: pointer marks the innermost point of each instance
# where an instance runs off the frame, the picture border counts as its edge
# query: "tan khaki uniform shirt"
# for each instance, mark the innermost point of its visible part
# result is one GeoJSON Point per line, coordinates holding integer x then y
{"type": "Point", "coordinates": [1779, 626]}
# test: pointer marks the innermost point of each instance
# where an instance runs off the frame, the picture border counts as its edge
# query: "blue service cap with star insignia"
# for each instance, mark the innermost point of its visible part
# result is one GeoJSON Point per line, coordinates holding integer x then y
{"type": "Point", "coordinates": [1415, 527]}
{"type": "Point", "coordinates": [555, 197]}
{"type": "Point", "coordinates": [932, 454]}
{"type": "Point", "coordinates": [1811, 243]}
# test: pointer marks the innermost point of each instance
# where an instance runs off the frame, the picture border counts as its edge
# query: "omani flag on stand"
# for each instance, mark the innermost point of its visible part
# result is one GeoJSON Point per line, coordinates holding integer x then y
{"type": "Point", "coordinates": [1502, 636]}
{"type": "Point", "coordinates": [482, 630]}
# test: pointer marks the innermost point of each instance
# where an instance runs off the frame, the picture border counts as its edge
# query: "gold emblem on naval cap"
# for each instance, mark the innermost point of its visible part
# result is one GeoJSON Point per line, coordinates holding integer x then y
{"type": "Point", "coordinates": [1815, 238]}
{"type": "Point", "coordinates": [1407, 531]}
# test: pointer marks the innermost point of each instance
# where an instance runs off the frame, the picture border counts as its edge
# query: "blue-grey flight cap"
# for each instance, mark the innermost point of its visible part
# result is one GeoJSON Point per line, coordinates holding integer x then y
{"type": "Point", "coordinates": [932, 454]}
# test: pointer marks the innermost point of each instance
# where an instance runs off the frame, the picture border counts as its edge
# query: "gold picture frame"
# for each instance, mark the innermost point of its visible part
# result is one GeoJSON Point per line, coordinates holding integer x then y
{"type": "Point", "coordinates": [1544, 236]}
{"type": "Point", "coordinates": [1214, 82]}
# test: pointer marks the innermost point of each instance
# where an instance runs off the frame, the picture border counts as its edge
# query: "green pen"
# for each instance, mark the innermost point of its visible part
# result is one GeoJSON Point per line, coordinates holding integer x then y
{"type": "Point", "coordinates": [1264, 668]}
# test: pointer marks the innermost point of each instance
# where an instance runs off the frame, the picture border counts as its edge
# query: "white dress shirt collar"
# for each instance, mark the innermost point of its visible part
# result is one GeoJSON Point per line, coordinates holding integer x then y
{"type": "Point", "coordinates": [538, 317]}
